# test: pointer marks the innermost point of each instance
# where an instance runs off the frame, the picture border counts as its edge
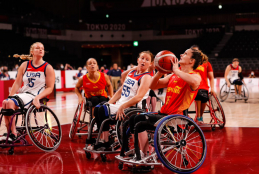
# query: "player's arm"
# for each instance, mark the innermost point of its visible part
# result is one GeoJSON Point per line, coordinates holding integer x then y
{"type": "Point", "coordinates": [116, 96]}
{"type": "Point", "coordinates": [226, 74]}
{"type": "Point", "coordinates": [50, 81]}
{"type": "Point", "coordinates": [19, 79]}
{"type": "Point", "coordinates": [211, 78]}
{"type": "Point", "coordinates": [143, 89]}
{"type": "Point", "coordinates": [157, 82]}
{"type": "Point", "coordinates": [108, 85]}
{"type": "Point", "coordinates": [79, 84]}
{"type": "Point", "coordinates": [193, 80]}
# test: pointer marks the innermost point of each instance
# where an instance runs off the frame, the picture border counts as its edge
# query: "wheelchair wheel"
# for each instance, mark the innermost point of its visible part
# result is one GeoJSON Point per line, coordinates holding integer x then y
{"type": "Point", "coordinates": [244, 93]}
{"type": "Point", "coordinates": [75, 121]}
{"type": "Point", "coordinates": [224, 92]}
{"type": "Point", "coordinates": [119, 125]}
{"type": "Point", "coordinates": [180, 144]}
{"type": "Point", "coordinates": [43, 127]}
{"type": "Point", "coordinates": [217, 110]}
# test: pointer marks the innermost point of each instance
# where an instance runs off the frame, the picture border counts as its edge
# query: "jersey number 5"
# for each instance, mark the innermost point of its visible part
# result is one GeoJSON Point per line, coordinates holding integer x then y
{"type": "Point", "coordinates": [31, 82]}
{"type": "Point", "coordinates": [125, 91]}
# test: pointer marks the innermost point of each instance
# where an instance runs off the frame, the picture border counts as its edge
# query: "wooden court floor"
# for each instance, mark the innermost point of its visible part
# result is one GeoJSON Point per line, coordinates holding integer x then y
{"type": "Point", "coordinates": [230, 150]}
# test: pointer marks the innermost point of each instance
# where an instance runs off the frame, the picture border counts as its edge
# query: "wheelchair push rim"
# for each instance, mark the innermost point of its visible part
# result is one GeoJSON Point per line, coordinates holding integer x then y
{"type": "Point", "coordinates": [180, 144]}
{"type": "Point", "coordinates": [43, 128]}
{"type": "Point", "coordinates": [75, 121]}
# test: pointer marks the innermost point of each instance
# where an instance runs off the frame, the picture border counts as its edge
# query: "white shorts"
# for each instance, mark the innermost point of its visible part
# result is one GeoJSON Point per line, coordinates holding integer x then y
{"type": "Point", "coordinates": [114, 108]}
{"type": "Point", "coordinates": [25, 97]}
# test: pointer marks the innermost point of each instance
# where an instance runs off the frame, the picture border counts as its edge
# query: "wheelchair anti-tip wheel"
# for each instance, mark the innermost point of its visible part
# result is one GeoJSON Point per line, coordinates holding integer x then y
{"type": "Point", "coordinates": [43, 127]}
{"type": "Point", "coordinates": [180, 144]}
{"type": "Point", "coordinates": [224, 92]}
{"type": "Point", "coordinates": [217, 110]}
{"type": "Point", "coordinates": [75, 121]}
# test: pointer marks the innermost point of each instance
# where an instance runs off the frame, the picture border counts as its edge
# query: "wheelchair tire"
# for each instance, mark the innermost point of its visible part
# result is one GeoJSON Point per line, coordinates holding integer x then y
{"type": "Point", "coordinates": [43, 128]}
{"type": "Point", "coordinates": [75, 121]}
{"type": "Point", "coordinates": [185, 143]}
{"type": "Point", "coordinates": [245, 93]}
{"type": "Point", "coordinates": [217, 110]}
{"type": "Point", "coordinates": [224, 92]}
{"type": "Point", "coordinates": [119, 125]}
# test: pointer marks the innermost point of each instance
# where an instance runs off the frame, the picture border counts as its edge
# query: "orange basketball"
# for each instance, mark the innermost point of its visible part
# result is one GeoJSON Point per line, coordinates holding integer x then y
{"type": "Point", "coordinates": [163, 61]}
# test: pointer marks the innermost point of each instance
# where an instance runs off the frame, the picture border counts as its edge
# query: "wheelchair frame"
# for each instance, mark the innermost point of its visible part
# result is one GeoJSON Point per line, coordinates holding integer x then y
{"type": "Point", "coordinates": [228, 90]}
{"type": "Point", "coordinates": [212, 110]}
{"type": "Point", "coordinates": [150, 161]}
{"type": "Point", "coordinates": [78, 125]}
{"type": "Point", "coordinates": [115, 145]}
{"type": "Point", "coordinates": [26, 129]}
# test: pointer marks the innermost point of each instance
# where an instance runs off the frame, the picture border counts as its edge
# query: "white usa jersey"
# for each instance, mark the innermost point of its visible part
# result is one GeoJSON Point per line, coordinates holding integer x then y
{"type": "Point", "coordinates": [130, 88]}
{"type": "Point", "coordinates": [233, 74]}
{"type": "Point", "coordinates": [34, 79]}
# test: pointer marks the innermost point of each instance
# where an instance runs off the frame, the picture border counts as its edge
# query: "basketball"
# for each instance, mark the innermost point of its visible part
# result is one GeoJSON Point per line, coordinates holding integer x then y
{"type": "Point", "coordinates": [163, 61]}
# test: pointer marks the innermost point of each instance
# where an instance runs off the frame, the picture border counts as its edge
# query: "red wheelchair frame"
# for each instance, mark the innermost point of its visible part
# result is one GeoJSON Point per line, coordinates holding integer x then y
{"type": "Point", "coordinates": [214, 107]}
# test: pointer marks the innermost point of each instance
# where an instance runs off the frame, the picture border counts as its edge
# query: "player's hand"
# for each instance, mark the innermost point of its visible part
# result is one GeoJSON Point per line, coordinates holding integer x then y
{"type": "Point", "coordinates": [212, 92]}
{"type": "Point", "coordinates": [175, 65]}
{"type": "Point", "coordinates": [228, 84]}
{"type": "Point", "coordinates": [120, 114]}
{"type": "Point", "coordinates": [80, 99]}
{"type": "Point", "coordinates": [36, 102]}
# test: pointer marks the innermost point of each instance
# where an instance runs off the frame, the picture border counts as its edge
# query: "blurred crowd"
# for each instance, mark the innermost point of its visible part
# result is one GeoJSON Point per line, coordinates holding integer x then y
{"type": "Point", "coordinates": [114, 72]}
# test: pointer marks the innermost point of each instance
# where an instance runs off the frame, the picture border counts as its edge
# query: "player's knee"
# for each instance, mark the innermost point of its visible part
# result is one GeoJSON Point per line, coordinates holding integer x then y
{"type": "Point", "coordinates": [103, 111]}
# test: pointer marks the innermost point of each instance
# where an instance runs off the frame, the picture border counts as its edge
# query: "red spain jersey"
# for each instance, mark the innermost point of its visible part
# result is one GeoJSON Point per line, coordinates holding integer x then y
{"type": "Point", "coordinates": [179, 96]}
{"type": "Point", "coordinates": [203, 70]}
{"type": "Point", "coordinates": [96, 88]}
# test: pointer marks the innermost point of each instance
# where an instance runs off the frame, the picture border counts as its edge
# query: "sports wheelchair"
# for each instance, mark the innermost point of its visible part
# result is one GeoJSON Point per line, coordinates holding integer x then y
{"type": "Point", "coordinates": [81, 125]}
{"type": "Point", "coordinates": [217, 115]}
{"type": "Point", "coordinates": [177, 142]}
{"type": "Point", "coordinates": [226, 91]}
{"type": "Point", "coordinates": [42, 126]}
{"type": "Point", "coordinates": [114, 134]}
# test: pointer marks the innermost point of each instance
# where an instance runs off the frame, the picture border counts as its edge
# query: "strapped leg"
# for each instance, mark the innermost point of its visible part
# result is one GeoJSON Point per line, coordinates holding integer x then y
{"type": "Point", "coordinates": [124, 138]}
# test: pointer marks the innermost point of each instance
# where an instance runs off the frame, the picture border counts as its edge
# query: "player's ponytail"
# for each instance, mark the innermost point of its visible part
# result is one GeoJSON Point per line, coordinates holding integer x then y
{"type": "Point", "coordinates": [29, 56]}
{"type": "Point", "coordinates": [199, 57]}
{"type": "Point", "coordinates": [204, 58]}
{"type": "Point", "coordinates": [23, 57]}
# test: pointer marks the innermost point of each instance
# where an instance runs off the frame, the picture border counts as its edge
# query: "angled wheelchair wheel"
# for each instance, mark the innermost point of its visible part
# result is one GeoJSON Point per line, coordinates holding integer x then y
{"type": "Point", "coordinates": [245, 93]}
{"type": "Point", "coordinates": [43, 128]}
{"type": "Point", "coordinates": [224, 92]}
{"type": "Point", "coordinates": [180, 144]}
{"type": "Point", "coordinates": [218, 111]}
{"type": "Point", "coordinates": [119, 125]}
{"type": "Point", "coordinates": [75, 121]}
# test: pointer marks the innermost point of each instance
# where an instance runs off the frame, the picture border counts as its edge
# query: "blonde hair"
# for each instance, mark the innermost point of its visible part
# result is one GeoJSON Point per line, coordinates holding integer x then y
{"type": "Point", "coordinates": [28, 56]}
{"type": "Point", "coordinates": [205, 58]}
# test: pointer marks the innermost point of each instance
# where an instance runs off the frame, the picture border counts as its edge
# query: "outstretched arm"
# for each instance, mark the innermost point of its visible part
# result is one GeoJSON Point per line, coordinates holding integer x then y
{"type": "Point", "coordinates": [226, 75]}
{"type": "Point", "coordinates": [79, 84]}
{"type": "Point", "coordinates": [50, 81]}
{"type": "Point", "coordinates": [18, 81]}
